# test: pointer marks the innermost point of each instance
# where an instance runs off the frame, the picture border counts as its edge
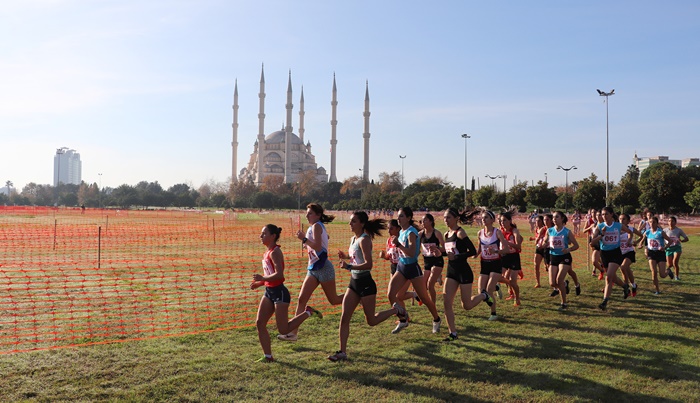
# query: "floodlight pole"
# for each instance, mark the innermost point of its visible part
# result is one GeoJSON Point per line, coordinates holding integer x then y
{"type": "Point", "coordinates": [465, 136]}
{"type": "Point", "coordinates": [403, 157]}
{"type": "Point", "coordinates": [493, 184]}
{"type": "Point", "coordinates": [607, 144]}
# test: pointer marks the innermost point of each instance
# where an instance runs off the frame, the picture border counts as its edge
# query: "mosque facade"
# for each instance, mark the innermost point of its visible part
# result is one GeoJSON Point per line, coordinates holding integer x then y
{"type": "Point", "coordinates": [271, 151]}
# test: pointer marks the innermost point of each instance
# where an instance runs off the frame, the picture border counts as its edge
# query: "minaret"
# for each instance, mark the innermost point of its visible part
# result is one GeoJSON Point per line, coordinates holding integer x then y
{"type": "Point", "coordinates": [261, 127]}
{"type": "Point", "coordinates": [234, 141]}
{"type": "Point", "coordinates": [365, 167]}
{"type": "Point", "coordinates": [301, 116]}
{"type": "Point", "coordinates": [334, 123]}
{"type": "Point", "coordinates": [288, 134]}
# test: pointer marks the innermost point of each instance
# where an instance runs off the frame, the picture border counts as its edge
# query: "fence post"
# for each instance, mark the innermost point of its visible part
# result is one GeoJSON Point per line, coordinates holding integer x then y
{"type": "Point", "coordinates": [99, 246]}
{"type": "Point", "coordinates": [55, 225]}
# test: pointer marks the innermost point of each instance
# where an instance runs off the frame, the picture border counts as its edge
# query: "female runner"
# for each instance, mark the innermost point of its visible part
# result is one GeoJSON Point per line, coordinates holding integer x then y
{"type": "Point", "coordinates": [320, 268]}
{"type": "Point", "coordinates": [608, 235]}
{"type": "Point", "coordinates": [458, 248]}
{"type": "Point", "coordinates": [559, 238]}
{"type": "Point", "coordinates": [276, 299]}
{"type": "Point", "coordinates": [511, 261]}
{"type": "Point", "coordinates": [392, 255]}
{"type": "Point", "coordinates": [408, 246]}
{"type": "Point", "coordinates": [362, 288]}
{"type": "Point", "coordinates": [492, 246]}
{"type": "Point", "coordinates": [628, 253]}
{"type": "Point", "coordinates": [431, 246]}
{"type": "Point", "coordinates": [576, 219]}
{"type": "Point", "coordinates": [540, 247]}
{"type": "Point", "coordinates": [656, 240]}
{"type": "Point", "coordinates": [596, 218]}
{"type": "Point", "coordinates": [674, 250]}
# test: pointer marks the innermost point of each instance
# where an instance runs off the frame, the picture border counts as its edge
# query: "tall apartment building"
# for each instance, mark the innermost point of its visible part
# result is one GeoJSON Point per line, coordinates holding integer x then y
{"type": "Point", "coordinates": [67, 167]}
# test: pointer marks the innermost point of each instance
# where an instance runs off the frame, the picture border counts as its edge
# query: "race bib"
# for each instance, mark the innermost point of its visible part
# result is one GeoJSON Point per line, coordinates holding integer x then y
{"type": "Point", "coordinates": [611, 238]}
{"type": "Point", "coordinates": [313, 257]}
{"type": "Point", "coordinates": [267, 268]}
{"type": "Point", "coordinates": [489, 252]}
{"type": "Point", "coordinates": [451, 247]}
{"type": "Point", "coordinates": [556, 242]}
{"type": "Point", "coordinates": [674, 241]}
{"type": "Point", "coordinates": [653, 244]}
{"type": "Point", "coordinates": [425, 249]}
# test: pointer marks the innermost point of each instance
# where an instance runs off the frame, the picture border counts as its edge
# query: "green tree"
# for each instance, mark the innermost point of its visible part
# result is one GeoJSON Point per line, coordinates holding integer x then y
{"type": "Point", "coordinates": [693, 197]}
{"type": "Point", "coordinates": [541, 195]}
{"type": "Point", "coordinates": [516, 196]}
{"type": "Point", "coordinates": [662, 188]}
{"type": "Point", "coordinates": [482, 197]}
{"type": "Point", "coordinates": [590, 193]}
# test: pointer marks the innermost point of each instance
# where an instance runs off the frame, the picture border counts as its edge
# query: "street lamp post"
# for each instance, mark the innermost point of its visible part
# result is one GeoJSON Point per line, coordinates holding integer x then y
{"type": "Point", "coordinates": [545, 178]}
{"type": "Point", "coordinates": [465, 136]}
{"type": "Point", "coordinates": [607, 143]}
{"type": "Point", "coordinates": [566, 198]}
{"type": "Point", "coordinates": [403, 157]}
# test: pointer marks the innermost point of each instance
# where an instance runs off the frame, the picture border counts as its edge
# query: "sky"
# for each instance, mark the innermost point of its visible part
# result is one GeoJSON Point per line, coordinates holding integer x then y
{"type": "Point", "coordinates": [143, 90]}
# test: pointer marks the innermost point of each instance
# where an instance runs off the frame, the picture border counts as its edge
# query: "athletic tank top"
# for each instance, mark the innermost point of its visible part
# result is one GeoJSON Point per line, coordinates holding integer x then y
{"type": "Point", "coordinates": [269, 267]}
{"type": "Point", "coordinates": [510, 237]}
{"type": "Point", "coordinates": [356, 256]}
{"type": "Point", "coordinates": [624, 240]}
{"type": "Point", "coordinates": [489, 245]}
{"type": "Point", "coordinates": [426, 243]}
{"type": "Point", "coordinates": [558, 240]}
{"type": "Point", "coordinates": [655, 239]}
{"type": "Point", "coordinates": [462, 248]}
{"type": "Point", "coordinates": [611, 236]}
{"type": "Point", "coordinates": [403, 240]}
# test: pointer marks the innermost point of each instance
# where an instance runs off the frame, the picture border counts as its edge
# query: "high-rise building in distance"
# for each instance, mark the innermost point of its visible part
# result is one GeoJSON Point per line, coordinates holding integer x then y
{"type": "Point", "coordinates": [67, 167]}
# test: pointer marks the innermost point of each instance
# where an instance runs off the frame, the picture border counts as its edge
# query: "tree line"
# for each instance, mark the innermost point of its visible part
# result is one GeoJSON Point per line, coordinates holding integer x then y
{"type": "Point", "coordinates": [662, 187]}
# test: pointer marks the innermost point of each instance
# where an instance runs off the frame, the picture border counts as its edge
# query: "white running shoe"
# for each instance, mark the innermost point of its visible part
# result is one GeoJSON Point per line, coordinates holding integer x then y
{"type": "Point", "coordinates": [400, 311]}
{"type": "Point", "coordinates": [399, 327]}
{"type": "Point", "coordinates": [493, 317]}
{"type": "Point", "coordinates": [287, 337]}
{"type": "Point", "coordinates": [436, 326]}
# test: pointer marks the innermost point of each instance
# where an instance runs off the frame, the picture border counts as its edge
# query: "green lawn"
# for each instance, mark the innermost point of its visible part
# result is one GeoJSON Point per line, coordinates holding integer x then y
{"type": "Point", "coordinates": [642, 349]}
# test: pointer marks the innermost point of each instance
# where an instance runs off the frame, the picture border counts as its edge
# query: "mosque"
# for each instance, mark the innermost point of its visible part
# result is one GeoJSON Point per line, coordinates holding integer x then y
{"type": "Point", "coordinates": [284, 153]}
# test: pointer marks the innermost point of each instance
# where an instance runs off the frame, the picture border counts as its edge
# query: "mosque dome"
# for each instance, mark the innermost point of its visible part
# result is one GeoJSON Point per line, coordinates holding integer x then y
{"type": "Point", "coordinates": [279, 136]}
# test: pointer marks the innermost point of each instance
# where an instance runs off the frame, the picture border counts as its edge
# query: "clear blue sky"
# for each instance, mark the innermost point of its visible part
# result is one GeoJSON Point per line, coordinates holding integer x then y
{"type": "Point", "coordinates": [143, 89]}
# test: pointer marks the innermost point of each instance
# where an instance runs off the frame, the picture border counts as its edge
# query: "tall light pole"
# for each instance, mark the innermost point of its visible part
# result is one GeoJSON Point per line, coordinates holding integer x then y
{"type": "Point", "coordinates": [403, 157]}
{"type": "Point", "coordinates": [545, 178]}
{"type": "Point", "coordinates": [465, 136]}
{"type": "Point", "coordinates": [566, 198]}
{"type": "Point", "coordinates": [607, 143]}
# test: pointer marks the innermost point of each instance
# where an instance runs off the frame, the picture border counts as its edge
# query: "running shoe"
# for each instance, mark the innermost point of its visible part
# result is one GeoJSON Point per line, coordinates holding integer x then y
{"type": "Point", "coordinates": [634, 290]}
{"type": "Point", "coordinates": [265, 359]}
{"type": "Point", "coordinates": [678, 278]}
{"type": "Point", "coordinates": [493, 317]}
{"type": "Point", "coordinates": [567, 287]}
{"type": "Point", "coordinates": [287, 337]}
{"type": "Point", "coordinates": [510, 297]}
{"type": "Point", "coordinates": [563, 307]}
{"type": "Point", "coordinates": [400, 311]}
{"type": "Point", "coordinates": [498, 292]}
{"type": "Point", "coordinates": [450, 337]}
{"type": "Point", "coordinates": [657, 292]}
{"type": "Point", "coordinates": [516, 304]}
{"type": "Point", "coordinates": [487, 298]}
{"type": "Point", "coordinates": [338, 356]}
{"type": "Point", "coordinates": [593, 273]}
{"type": "Point", "coordinates": [625, 291]}
{"type": "Point", "coordinates": [669, 272]}
{"type": "Point", "coordinates": [313, 312]}
{"type": "Point", "coordinates": [537, 286]}
{"type": "Point", "coordinates": [603, 305]}
{"type": "Point", "coordinates": [417, 298]}
{"type": "Point", "coordinates": [436, 326]}
{"type": "Point", "coordinates": [600, 276]}
{"type": "Point", "coordinates": [578, 289]}
{"type": "Point", "coordinates": [554, 293]}
{"type": "Point", "coordinates": [399, 327]}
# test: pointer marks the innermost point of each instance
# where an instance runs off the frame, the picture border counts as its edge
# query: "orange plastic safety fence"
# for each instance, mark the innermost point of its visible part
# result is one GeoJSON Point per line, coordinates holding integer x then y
{"type": "Point", "coordinates": [73, 277]}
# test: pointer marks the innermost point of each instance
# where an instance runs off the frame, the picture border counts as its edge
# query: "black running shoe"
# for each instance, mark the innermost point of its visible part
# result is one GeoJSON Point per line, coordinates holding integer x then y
{"type": "Point", "coordinates": [450, 337]}
{"type": "Point", "coordinates": [603, 305]}
{"type": "Point", "coordinates": [578, 289]}
{"type": "Point", "coordinates": [554, 293]}
{"type": "Point", "coordinates": [567, 287]}
{"type": "Point", "coordinates": [625, 291]}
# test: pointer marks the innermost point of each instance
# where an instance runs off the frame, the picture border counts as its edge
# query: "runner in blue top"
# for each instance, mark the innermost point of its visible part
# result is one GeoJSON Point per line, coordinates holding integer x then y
{"type": "Point", "coordinates": [656, 239]}
{"type": "Point", "coordinates": [608, 234]}
{"type": "Point", "coordinates": [408, 246]}
{"type": "Point", "coordinates": [559, 238]}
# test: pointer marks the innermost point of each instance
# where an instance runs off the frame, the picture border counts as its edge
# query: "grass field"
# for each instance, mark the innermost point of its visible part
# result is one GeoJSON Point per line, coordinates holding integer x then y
{"type": "Point", "coordinates": [642, 349]}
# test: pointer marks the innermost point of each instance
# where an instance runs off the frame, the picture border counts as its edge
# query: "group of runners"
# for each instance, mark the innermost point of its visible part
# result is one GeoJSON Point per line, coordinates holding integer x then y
{"type": "Point", "coordinates": [498, 247]}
